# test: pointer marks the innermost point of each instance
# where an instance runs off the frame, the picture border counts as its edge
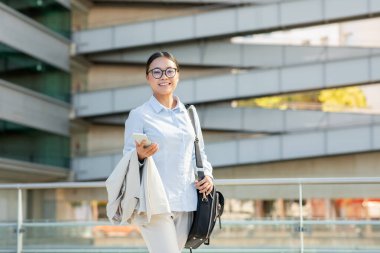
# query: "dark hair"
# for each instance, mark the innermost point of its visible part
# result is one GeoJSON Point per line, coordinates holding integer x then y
{"type": "Point", "coordinates": [158, 55]}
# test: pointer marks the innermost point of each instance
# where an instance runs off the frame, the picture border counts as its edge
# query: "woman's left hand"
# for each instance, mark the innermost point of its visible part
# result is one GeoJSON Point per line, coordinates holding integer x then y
{"type": "Point", "coordinates": [205, 185]}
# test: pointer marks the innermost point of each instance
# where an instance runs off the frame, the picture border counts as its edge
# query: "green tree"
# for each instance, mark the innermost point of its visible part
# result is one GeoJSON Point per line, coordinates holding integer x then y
{"type": "Point", "coordinates": [341, 99]}
{"type": "Point", "coordinates": [333, 100]}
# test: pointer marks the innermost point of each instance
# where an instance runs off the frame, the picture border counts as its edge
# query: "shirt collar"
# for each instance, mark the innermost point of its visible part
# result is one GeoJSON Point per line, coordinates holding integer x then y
{"type": "Point", "coordinates": [158, 107]}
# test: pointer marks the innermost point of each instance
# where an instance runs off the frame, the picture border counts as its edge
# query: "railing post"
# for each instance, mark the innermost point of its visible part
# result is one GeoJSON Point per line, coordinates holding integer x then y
{"type": "Point", "coordinates": [20, 230]}
{"type": "Point", "coordinates": [301, 228]}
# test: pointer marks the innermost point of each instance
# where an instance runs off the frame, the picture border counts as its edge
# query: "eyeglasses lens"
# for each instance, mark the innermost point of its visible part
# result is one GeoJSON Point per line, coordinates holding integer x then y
{"type": "Point", "coordinates": [157, 73]}
{"type": "Point", "coordinates": [170, 72]}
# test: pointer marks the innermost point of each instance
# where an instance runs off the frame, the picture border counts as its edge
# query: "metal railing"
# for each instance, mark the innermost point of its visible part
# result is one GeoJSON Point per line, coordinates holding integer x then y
{"type": "Point", "coordinates": [300, 182]}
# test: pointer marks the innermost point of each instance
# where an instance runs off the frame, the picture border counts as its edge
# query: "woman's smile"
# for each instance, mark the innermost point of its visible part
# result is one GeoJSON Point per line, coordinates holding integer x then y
{"type": "Point", "coordinates": [164, 84]}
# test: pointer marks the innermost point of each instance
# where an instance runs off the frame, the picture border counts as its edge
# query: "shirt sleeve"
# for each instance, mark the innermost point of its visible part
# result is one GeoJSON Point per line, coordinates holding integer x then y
{"type": "Point", "coordinates": [206, 164]}
{"type": "Point", "coordinates": [133, 124]}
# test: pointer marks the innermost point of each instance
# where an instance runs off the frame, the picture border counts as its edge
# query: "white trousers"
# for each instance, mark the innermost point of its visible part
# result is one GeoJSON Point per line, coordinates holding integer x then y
{"type": "Point", "coordinates": [167, 233]}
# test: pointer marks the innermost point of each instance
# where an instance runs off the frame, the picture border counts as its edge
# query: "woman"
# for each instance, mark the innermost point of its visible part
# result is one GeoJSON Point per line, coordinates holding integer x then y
{"type": "Point", "coordinates": [164, 119]}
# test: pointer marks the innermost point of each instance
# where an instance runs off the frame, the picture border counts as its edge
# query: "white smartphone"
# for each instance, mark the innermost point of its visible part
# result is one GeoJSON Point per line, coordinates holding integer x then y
{"type": "Point", "coordinates": [140, 137]}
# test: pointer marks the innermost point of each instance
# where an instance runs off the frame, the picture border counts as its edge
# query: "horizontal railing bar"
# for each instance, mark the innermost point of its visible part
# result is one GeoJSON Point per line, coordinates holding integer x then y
{"type": "Point", "coordinates": [297, 181]}
{"type": "Point", "coordinates": [93, 224]}
{"type": "Point", "coordinates": [219, 182]}
{"type": "Point", "coordinates": [342, 222]}
{"type": "Point", "coordinates": [8, 224]}
{"type": "Point", "coordinates": [305, 222]}
{"type": "Point", "coordinates": [90, 250]}
{"type": "Point", "coordinates": [57, 185]}
{"type": "Point", "coordinates": [202, 250]}
{"type": "Point", "coordinates": [224, 222]}
{"type": "Point", "coordinates": [139, 250]}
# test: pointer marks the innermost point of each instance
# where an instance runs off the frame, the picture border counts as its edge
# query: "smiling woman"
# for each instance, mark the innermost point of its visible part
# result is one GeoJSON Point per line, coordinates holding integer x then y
{"type": "Point", "coordinates": [162, 73]}
{"type": "Point", "coordinates": [166, 123]}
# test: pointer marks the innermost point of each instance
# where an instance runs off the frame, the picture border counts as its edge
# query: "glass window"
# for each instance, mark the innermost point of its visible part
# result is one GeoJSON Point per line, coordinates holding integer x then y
{"type": "Point", "coordinates": [21, 69]}
{"type": "Point", "coordinates": [31, 145]}
{"type": "Point", "coordinates": [47, 12]}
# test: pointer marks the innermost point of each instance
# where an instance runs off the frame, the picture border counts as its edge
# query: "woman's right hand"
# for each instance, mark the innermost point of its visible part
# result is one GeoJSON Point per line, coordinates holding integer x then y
{"type": "Point", "coordinates": [142, 152]}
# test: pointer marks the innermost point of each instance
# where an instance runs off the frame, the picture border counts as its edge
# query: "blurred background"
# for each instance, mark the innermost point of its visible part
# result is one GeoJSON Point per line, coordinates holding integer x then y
{"type": "Point", "coordinates": [283, 88]}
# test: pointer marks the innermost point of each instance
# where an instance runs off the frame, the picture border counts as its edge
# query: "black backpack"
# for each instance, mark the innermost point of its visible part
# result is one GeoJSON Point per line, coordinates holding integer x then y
{"type": "Point", "coordinates": [209, 208]}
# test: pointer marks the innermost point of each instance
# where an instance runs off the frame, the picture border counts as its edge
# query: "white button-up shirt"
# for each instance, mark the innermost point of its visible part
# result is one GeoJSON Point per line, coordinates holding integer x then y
{"type": "Point", "coordinates": [172, 130]}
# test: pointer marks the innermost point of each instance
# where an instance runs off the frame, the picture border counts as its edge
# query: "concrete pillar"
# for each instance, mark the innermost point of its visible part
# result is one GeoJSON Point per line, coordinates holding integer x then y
{"type": "Point", "coordinates": [259, 209]}
{"type": "Point", "coordinates": [368, 228]}
{"type": "Point", "coordinates": [281, 208]}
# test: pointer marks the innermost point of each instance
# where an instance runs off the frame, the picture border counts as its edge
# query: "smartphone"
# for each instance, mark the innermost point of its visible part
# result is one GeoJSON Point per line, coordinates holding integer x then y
{"type": "Point", "coordinates": [140, 137]}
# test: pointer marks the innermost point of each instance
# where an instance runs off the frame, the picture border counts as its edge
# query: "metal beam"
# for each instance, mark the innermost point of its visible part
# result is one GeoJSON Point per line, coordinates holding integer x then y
{"type": "Point", "coordinates": [258, 83]}
{"type": "Point", "coordinates": [317, 143]}
{"type": "Point", "coordinates": [223, 23]}
{"type": "Point", "coordinates": [28, 108]}
{"type": "Point", "coordinates": [26, 35]}
{"type": "Point", "coordinates": [208, 53]}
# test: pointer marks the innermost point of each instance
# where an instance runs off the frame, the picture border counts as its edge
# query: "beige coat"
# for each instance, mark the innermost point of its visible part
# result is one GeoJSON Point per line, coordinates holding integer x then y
{"type": "Point", "coordinates": [134, 193]}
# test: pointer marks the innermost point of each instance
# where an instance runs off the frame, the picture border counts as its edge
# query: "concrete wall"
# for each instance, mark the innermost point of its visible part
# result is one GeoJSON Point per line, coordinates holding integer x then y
{"type": "Point", "coordinates": [101, 16]}
{"type": "Point", "coordinates": [107, 76]}
{"type": "Point", "coordinates": [102, 77]}
{"type": "Point", "coordinates": [105, 139]}
{"type": "Point", "coordinates": [356, 165]}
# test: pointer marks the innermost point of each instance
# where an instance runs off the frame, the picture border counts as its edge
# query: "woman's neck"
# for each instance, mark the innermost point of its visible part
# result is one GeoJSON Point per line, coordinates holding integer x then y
{"type": "Point", "coordinates": [167, 101]}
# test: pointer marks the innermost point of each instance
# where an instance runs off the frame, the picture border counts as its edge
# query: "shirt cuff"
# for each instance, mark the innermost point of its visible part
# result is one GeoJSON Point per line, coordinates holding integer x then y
{"type": "Point", "coordinates": [207, 173]}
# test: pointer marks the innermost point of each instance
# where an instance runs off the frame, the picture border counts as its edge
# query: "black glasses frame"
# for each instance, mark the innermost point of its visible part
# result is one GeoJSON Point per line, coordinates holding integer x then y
{"type": "Point", "coordinates": [164, 71]}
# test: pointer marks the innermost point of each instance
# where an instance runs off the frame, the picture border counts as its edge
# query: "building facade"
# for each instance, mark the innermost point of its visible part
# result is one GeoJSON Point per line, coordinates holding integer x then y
{"type": "Point", "coordinates": [72, 70]}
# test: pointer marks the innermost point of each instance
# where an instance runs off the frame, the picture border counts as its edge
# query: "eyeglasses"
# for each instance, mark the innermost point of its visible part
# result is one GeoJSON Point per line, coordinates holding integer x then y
{"type": "Point", "coordinates": [169, 72]}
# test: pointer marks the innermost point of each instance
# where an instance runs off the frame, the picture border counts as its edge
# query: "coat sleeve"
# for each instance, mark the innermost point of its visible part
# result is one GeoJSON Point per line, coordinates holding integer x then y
{"type": "Point", "coordinates": [134, 124]}
{"type": "Point", "coordinates": [206, 164]}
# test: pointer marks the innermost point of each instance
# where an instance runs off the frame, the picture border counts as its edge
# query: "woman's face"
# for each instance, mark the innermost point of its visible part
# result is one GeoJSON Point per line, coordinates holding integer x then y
{"type": "Point", "coordinates": [164, 85]}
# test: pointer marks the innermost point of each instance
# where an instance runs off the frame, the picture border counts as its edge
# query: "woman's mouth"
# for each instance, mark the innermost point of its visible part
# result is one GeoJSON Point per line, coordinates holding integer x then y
{"type": "Point", "coordinates": [164, 84]}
